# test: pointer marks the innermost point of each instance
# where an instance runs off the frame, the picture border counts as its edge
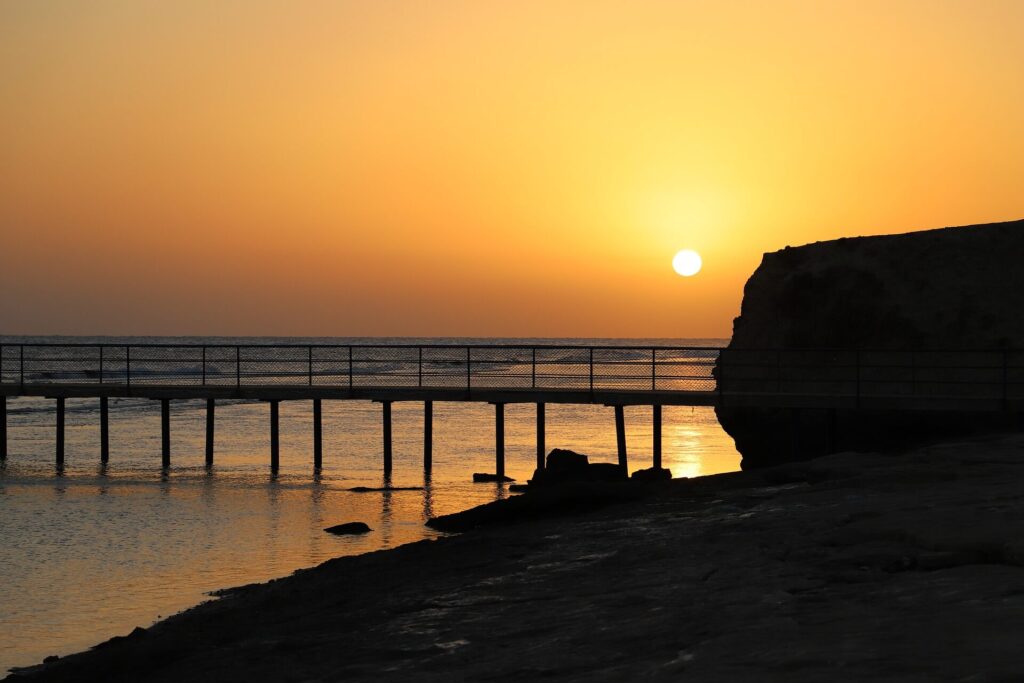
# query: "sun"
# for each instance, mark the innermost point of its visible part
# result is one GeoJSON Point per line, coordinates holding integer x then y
{"type": "Point", "coordinates": [687, 263]}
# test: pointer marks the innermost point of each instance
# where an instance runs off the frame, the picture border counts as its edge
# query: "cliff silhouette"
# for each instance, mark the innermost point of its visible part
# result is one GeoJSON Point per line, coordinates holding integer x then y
{"type": "Point", "coordinates": [950, 288]}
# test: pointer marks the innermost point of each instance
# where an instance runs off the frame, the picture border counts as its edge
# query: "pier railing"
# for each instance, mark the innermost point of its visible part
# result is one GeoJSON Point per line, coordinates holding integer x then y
{"type": "Point", "coordinates": [358, 365]}
{"type": "Point", "coordinates": [857, 374]}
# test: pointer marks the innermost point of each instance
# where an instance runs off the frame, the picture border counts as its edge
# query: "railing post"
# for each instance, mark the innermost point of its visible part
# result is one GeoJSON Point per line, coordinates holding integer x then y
{"type": "Point", "coordinates": [420, 369]}
{"type": "Point", "coordinates": [469, 376]}
{"type": "Point", "coordinates": [350, 371]}
{"type": "Point", "coordinates": [128, 366]}
{"type": "Point", "coordinates": [654, 376]}
{"type": "Point", "coordinates": [533, 368]}
{"type": "Point", "coordinates": [238, 367]}
{"type": "Point", "coordinates": [101, 364]}
{"type": "Point", "coordinates": [204, 365]}
{"type": "Point", "coordinates": [21, 364]}
{"type": "Point", "coordinates": [591, 372]}
{"type": "Point", "coordinates": [310, 365]}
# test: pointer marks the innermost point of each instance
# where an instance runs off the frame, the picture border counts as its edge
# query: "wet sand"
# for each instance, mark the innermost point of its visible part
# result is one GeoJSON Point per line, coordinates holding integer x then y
{"type": "Point", "coordinates": [851, 567]}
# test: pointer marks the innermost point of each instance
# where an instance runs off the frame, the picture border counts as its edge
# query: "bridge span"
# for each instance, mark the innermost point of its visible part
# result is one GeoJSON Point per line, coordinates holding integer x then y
{"type": "Point", "coordinates": [612, 375]}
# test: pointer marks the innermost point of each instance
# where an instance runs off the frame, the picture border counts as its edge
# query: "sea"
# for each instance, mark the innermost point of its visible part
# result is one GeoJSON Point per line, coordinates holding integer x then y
{"type": "Point", "coordinates": [90, 552]}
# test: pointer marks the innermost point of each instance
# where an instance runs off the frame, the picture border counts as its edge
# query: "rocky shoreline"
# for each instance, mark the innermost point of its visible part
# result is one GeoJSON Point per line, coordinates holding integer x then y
{"type": "Point", "coordinates": [845, 568]}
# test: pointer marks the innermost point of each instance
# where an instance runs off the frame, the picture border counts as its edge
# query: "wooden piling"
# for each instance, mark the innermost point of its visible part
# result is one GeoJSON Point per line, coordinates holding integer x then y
{"type": "Point", "coordinates": [60, 431]}
{"type": "Point", "coordinates": [656, 419]}
{"type": "Point", "coordinates": [428, 436]}
{"type": "Point", "coordinates": [275, 436]}
{"type": "Point", "coordinates": [211, 418]}
{"type": "Point", "coordinates": [541, 436]}
{"type": "Point", "coordinates": [620, 437]}
{"type": "Point", "coordinates": [165, 432]}
{"type": "Point", "coordinates": [499, 439]}
{"type": "Point", "coordinates": [318, 434]}
{"type": "Point", "coordinates": [386, 405]}
{"type": "Point", "coordinates": [104, 430]}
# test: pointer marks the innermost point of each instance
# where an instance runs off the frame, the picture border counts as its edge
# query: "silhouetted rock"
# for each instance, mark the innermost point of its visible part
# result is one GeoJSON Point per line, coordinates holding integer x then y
{"type": "Point", "coordinates": [518, 488]}
{"type": "Point", "coordinates": [375, 489]}
{"type": "Point", "coordinates": [564, 467]}
{"type": "Point", "coordinates": [653, 474]}
{"type": "Point", "coordinates": [560, 459]}
{"type": "Point", "coordinates": [548, 501]}
{"type": "Point", "coordinates": [954, 288]}
{"type": "Point", "coordinates": [481, 477]}
{"type": "Point", "coordinates": [348, 528]}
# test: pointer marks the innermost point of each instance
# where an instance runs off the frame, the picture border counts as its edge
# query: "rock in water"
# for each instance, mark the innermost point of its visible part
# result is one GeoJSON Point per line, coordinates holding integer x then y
{"type": "Point", "coordinates": [560, 459]}
{"type": "Point", "coordinates": [653, 474]}
{"type": "Point", "coordinates": [564, 466]}
{"type": "Point", "coordinates": [479, 477]}
{"type": "Point", "coordinates": [348, 528]}
{"type": "Point", "coordinates": [954, 288]}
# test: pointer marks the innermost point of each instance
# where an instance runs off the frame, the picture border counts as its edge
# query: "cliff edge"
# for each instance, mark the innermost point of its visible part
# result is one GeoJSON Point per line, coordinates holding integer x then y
{"type": "Point", "coordinates": [951, 288]}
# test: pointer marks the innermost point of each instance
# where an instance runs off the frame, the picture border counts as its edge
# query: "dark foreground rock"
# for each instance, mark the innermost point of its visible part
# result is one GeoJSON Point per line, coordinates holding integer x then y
{"type": "Point", "coordinates": [483, 477]}
{"type": "Point", "coordinates": [379, 489]}
{"type": "Point", "coordinates": [848, 568]}
{"type": "Point", "coordinates": [652, 474]}
{"type": "Point", "coordinates": [348, 528]}
{"type": "Point", "coordinates": [569, 467]}
{"type": "Point", "coordinates": [954, 288]}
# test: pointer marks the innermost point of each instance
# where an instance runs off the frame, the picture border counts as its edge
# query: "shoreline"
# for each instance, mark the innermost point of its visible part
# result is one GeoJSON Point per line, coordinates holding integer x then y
{"type": "Point", "coordinates": [852, 566]}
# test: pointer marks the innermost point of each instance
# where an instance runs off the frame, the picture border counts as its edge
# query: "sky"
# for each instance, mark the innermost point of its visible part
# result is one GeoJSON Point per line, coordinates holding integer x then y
{"type": "Point", "coordinates": [475, 168]}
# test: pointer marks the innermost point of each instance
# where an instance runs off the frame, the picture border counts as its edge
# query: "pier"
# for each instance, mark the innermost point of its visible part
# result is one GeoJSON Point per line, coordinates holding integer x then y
{"type": "Point", "coordinates": [613, 376]}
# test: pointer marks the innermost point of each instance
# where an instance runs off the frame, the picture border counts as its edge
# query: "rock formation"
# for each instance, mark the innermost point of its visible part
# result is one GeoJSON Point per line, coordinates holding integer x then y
{"type": "Point", "coordinates": [952, 288]}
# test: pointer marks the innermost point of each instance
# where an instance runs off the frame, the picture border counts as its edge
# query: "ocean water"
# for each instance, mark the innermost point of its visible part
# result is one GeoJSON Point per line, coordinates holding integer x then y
{"type": "Point", "coordinates": [91, 552]}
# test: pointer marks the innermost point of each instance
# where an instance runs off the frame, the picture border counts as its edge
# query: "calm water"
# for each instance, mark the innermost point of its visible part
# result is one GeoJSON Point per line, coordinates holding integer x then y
{"type": "Point", "coordinates": [93, 552]}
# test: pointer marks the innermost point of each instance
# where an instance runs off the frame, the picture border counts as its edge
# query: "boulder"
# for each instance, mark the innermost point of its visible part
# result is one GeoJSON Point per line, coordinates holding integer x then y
{"type": "Point", "coordinates": [948, 289]}
{"type": "Point", "coordinates": [348, 528]}
{"type": "Point", "coordinates": [653, 474]}
{"type": "Point", "coordinates": [480, 477]}
{"type": "Point", "coordinates": [564, 467]}
{"type": "Point", "coordinates": [560, 459]}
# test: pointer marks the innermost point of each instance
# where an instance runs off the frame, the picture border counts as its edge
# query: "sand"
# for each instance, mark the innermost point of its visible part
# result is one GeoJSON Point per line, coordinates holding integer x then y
{"type": "Point", "coordinates": [848, 568]}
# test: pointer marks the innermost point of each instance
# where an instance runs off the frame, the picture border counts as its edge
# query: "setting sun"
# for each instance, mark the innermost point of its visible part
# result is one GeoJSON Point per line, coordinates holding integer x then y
{"type": "Point", "coordinates": [687, 263]}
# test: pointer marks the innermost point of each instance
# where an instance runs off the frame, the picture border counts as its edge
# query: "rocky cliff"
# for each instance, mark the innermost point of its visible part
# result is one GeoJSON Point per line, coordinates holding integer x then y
{"type": "Point", "coordinates": [952, 288]}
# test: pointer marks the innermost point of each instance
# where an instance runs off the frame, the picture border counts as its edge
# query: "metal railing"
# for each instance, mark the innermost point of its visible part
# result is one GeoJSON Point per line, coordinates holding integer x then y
{"type": "Point", "coordinates": [864, 373]}
{"type": "Point", "coordinates": [362, 366]}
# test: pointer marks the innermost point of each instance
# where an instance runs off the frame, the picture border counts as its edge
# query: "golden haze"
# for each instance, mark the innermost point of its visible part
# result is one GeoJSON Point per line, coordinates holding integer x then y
{"type": "Point", "coordinates": [477, 168]}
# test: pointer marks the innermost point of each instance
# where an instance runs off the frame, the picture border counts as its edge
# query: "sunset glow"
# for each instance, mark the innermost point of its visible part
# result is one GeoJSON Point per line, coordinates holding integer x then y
{"type": "Point", "coordinates": [477, 168]}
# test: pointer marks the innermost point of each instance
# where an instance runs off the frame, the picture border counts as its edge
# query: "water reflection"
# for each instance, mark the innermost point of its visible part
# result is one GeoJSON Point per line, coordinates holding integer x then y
{"type": "Point", "coordinates": [428, 497]}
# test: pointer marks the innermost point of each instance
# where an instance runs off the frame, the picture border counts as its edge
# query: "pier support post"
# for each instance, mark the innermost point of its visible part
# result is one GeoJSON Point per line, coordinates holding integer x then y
{"type": "Point", "coordinates": [541, 436]}
{"type": "Point", "coordinates": [499, 439]}
{"type": "Point", "coordinates": [656, 418]}
{"type": "Point", "coordinates": [60, 431]}
{"type": "Point", "coordinates": [620, 437]}
{"type": "Point", "coordinates": [104, 430]}
{"type": "Point", "coordinates": [318, 434]}
{"type": "Point", "coordinates": [165, 432]}
{"type": "Point", "coordinates": [428, 436]}
{"type": "Point", "coordinates": [3, 428]}
{"type": "Point", "coordinates": [275, 436]}
{"type": "Point", "coordinates": [386, 405]}
{"type": "Point", "coordinates": [211, 412]}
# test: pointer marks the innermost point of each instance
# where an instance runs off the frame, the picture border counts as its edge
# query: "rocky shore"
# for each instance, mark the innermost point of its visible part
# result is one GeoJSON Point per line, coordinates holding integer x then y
{"type": "Point", "coordinates": [847, 568]}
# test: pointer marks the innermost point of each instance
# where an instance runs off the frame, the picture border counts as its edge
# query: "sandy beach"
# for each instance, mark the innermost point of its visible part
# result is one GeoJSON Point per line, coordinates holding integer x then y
{"type": "Point", "coordinates": [851, 567]}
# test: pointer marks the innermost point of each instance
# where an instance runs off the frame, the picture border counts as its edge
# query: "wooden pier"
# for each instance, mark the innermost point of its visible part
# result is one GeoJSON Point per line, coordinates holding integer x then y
{"type": "Point", "coordinates": [613, 376]}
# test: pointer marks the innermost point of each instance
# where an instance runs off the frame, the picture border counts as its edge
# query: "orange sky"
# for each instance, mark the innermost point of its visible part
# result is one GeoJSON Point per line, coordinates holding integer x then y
{"type": "Point", "coordinates": [477, 168]}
